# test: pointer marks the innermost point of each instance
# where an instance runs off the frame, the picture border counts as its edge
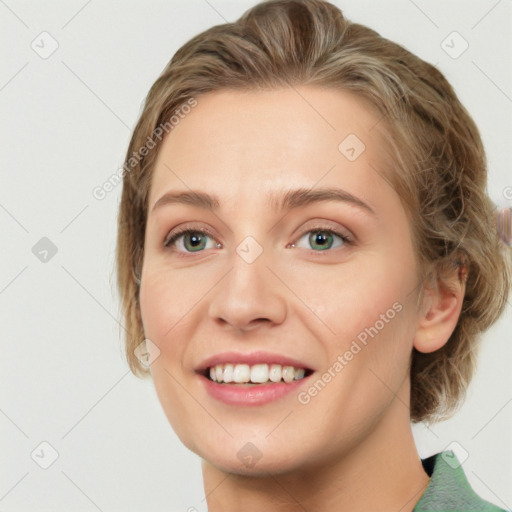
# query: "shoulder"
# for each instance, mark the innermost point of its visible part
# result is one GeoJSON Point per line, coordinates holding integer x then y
{"type": "Point", "coordinates": [449, 489]}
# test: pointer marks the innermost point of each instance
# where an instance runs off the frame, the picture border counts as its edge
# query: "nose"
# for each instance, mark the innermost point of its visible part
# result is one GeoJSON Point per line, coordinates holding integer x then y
{"type": "Point", "coordinates": [248, 296]}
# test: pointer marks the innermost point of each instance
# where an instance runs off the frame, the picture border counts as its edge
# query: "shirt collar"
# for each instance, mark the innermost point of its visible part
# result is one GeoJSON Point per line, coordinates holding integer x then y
{"type": "Point", "coordinates": [449, 488]}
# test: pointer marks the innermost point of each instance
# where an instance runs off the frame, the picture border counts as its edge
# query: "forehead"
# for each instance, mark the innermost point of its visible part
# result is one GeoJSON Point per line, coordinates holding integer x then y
{"type": "Point", "coordinates": [236, 143]}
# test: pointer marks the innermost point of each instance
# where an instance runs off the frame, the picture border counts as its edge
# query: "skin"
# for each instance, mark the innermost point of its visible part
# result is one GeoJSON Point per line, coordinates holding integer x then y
{"type": "Point", "coordinates": [351, 446]}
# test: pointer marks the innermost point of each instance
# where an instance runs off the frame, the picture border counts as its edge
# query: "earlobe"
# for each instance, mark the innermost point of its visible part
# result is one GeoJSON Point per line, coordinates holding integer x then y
{"type": "Point", "coordinates": [442, 304]}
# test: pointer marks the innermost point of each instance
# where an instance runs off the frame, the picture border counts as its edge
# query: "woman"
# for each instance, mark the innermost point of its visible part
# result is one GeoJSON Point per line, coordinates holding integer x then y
{"type": "Point", "coordinates": [306, 259]}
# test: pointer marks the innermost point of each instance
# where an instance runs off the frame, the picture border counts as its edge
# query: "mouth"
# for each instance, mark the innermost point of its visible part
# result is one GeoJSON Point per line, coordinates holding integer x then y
{"type": "Point", "coordinates": [260, 374]}
{"type": "Point", "coordinates": [251, 379]}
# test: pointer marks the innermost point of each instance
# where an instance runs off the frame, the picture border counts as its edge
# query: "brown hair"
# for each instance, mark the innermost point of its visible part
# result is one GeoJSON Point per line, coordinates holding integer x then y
{"type": "Point", "coordinates": [439, 166]}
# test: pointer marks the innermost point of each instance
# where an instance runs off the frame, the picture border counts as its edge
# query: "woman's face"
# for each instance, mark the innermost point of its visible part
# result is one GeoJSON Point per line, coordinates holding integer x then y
{"type": "Point", "coordinates": [328, 286]}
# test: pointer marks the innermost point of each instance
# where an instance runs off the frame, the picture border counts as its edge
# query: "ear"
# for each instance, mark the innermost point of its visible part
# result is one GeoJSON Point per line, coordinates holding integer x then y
{"type": "Point", "coordinates": [442, 304]}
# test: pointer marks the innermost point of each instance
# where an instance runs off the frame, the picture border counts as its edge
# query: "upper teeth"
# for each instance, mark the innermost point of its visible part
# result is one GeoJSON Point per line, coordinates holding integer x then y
{"type": "Point", "coordinates": [257, 373]}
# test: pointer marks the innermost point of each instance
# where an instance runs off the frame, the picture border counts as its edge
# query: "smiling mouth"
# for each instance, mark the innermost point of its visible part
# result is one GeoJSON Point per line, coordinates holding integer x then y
{"type": "Point", "coordinates": [256, 374]}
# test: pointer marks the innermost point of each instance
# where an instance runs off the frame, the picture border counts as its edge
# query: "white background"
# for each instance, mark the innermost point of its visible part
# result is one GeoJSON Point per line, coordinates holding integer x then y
{"type": "Point", "coordinates": [65, 126]}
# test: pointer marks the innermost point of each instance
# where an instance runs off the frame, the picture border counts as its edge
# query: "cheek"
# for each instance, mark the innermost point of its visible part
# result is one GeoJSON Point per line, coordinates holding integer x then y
{"type": "Point", "coordinates": [370, 307]}
{"type": "Point", "coordinates": [163, 312]}
{"type": "Point", "coordinates": [171, 301]}
{"type": "Point", "coordinates": [154, 303]}
{"type": "Point", "coordinates": [360, 295]}
{"type": "Point", "coordinates": [165, 298]}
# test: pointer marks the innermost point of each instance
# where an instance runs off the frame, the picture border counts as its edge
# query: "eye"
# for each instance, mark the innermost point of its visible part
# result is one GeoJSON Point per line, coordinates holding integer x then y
{"type": "Point", "coordinates": [322, 239]}
{"type": "Point", "coordinates": [194, 240]}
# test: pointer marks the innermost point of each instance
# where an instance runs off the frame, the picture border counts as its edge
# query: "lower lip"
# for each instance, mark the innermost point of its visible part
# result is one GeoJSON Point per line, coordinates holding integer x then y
{"type": "Point", "coordinates": [259, 394]}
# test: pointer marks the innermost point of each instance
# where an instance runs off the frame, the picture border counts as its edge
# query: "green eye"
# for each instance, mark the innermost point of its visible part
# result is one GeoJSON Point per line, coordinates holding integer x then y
{"type": "Point", "coordinates": [194, 240]}
{"type": "Point", "coordinates": [323, 239]}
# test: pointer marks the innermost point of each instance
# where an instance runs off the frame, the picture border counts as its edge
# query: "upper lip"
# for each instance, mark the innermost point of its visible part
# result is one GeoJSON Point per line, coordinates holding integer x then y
{"type": "Point", "coordinates": [249, 358]}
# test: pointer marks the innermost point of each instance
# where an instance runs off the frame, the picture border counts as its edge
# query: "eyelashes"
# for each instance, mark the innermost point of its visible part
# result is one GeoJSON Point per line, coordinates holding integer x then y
{"type": "Point", "coordinates": [345, 239]}
{"type": "Point", "coordinates": [172, 238]}
{"type": "Point", "coordinates": [194, 237]}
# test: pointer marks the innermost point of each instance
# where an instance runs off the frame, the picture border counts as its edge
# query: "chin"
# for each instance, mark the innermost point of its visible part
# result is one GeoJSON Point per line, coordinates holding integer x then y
{"type": "Point", "coordinates": [229, 463]}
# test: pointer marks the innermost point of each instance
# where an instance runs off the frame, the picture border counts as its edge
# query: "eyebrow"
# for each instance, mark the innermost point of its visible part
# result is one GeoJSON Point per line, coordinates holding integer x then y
{"type": "Point", "coordinates": [288, 200]}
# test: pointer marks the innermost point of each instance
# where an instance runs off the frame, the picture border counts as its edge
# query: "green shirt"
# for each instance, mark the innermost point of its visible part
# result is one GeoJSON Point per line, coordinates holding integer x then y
{"type": "Point", "coordinates": [449, 489]}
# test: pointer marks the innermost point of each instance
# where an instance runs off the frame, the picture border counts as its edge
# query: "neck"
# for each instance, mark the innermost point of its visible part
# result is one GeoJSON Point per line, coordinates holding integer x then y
{"type": "Point", "coordinates": [383, 473]}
